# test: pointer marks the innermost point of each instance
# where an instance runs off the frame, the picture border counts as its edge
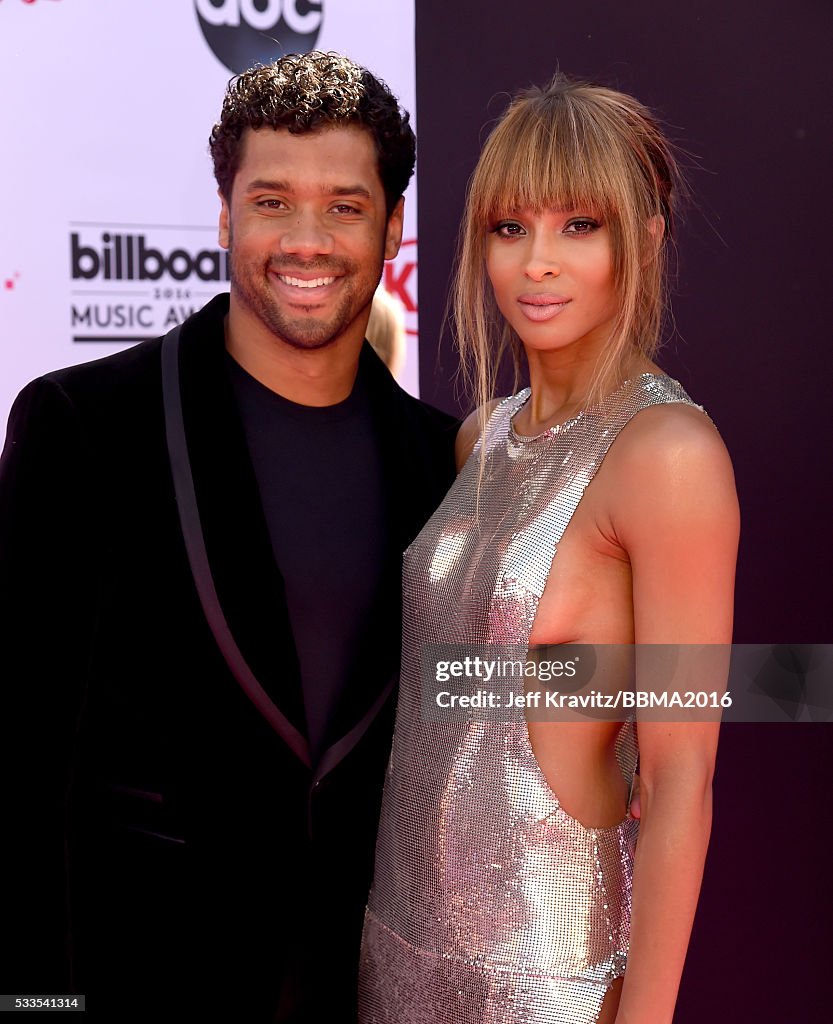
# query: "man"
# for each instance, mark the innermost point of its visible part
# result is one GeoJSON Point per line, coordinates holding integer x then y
{"type": "Point", "coordinates": [201, 722]}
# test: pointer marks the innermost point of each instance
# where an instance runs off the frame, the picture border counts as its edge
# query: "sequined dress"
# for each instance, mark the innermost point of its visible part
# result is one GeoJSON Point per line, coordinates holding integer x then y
{"type": "Point", "coordinates": [490, 904]}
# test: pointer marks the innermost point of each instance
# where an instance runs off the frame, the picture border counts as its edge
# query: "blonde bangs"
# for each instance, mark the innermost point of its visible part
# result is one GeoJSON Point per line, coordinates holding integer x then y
{"type": "Point", "coordinates": [549, 159]}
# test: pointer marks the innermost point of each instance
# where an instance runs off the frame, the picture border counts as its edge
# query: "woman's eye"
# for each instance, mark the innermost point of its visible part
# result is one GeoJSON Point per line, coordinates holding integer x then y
{"type": "Point", "coordinates": [583, 226]}
{"type": "Point", "coordinates": [508, 229]}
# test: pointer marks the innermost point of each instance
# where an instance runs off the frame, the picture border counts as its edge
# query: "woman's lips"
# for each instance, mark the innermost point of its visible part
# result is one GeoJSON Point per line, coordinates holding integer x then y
{"type": "Point", "coordinates": [541, 307]}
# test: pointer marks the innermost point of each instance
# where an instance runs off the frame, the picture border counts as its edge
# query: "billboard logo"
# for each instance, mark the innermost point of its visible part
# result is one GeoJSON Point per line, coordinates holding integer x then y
{"type": "Point", "coordinates": [120, 257]}
{"type": "Point", "coordinates": [136, 282]}
{"type": "Point", "coordinates": [246, 32]}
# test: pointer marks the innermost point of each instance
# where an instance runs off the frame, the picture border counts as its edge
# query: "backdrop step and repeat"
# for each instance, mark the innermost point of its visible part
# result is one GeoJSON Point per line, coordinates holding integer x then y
{"type": "Point", "coordinates": [108, 210]}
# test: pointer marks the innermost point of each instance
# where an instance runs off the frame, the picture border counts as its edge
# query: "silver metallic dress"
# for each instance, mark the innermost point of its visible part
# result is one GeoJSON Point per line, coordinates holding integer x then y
{"type": "Point", "coordinates": [490, 904]}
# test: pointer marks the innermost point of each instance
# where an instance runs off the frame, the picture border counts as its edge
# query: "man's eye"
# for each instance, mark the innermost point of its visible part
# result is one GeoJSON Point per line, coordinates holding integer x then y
{"type": "Point", "coordinates": [271, 204]}
{"type": "Point", "coordinates": [345, 208]}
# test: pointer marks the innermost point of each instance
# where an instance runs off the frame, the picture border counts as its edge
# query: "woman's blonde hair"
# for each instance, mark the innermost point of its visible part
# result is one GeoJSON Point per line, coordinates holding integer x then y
{"type": "Point", "coordinates": [569, 145]}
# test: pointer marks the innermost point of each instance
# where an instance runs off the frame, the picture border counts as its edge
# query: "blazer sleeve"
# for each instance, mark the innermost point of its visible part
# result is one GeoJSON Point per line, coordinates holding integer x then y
{"type": "Point", "coordinates": [49, 585]}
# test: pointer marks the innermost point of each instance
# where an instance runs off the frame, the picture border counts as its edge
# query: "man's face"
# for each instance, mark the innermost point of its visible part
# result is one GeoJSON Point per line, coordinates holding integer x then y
{"type": "Point", "coordinates": [307, 232]}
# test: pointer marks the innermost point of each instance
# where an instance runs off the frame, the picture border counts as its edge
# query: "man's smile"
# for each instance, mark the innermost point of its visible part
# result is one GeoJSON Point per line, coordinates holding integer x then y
{"type": "Point", "coordinates": [299, 289]}
{"type": "Point", "coordinates": [300, 282]}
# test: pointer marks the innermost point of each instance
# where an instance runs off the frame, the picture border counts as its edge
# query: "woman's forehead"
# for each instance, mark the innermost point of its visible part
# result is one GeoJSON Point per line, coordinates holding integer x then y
{"type": "Point", "coordinates": [521, 203]}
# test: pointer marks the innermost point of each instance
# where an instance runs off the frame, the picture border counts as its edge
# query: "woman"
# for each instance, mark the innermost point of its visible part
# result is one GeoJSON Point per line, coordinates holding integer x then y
{"type": "Point", "coordinates": [509, 886]}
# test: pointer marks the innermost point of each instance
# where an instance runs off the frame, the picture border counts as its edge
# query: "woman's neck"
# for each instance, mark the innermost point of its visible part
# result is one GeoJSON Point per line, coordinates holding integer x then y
{"type": "Point", "coordinates": [562, 383]}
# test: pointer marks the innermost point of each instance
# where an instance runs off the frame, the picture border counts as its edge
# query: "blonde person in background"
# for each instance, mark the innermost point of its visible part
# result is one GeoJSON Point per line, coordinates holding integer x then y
{"type": "Point", "coordinates": [386, 330]}
{"type": "Point", "coordinates": [596, 507]}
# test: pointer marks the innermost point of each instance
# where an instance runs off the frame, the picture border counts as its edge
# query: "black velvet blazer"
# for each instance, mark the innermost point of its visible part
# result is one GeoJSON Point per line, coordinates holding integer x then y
{"type": "Point", "coordinates": [162, 841]}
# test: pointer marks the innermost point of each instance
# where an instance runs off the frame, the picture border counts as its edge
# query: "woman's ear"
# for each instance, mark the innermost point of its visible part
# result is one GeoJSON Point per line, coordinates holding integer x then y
{"type": "Point", "coordinates": [656, 234]}
{"type": "Point", "coordinates": [656, 229]}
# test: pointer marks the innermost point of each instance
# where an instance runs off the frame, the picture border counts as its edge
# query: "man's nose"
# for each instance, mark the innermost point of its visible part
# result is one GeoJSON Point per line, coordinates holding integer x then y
{"type": "Point", "coordinates": [306, 235]}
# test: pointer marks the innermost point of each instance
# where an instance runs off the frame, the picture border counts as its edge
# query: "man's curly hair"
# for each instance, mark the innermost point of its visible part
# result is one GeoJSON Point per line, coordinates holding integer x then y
{"type": "Point", "coordinates": [306, 92]}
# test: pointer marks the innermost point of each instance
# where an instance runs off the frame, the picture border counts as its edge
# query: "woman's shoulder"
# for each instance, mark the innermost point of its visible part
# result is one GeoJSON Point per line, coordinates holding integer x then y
{"type": "Point", "coordinates": [470, 430]}
{"type": "Point", "coordinates": [667, 432]}
{"type": "Point", "coordinates": [668, 462]}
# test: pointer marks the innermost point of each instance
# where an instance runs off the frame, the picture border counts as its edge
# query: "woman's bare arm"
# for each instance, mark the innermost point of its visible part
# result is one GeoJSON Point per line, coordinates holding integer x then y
{"type": "Point", "coordinates": [677, 517]}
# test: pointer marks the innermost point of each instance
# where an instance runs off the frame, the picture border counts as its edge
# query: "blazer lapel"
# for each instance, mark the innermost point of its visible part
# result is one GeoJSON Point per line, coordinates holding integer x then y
{"type": "Point", "coordinates": [248, 582]}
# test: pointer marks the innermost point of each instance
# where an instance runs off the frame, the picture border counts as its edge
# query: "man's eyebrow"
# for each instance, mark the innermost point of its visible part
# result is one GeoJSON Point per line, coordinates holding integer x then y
{"type": "Point", "coordinates": [267, 185]}
{"type": "Point", "coordinates": [348, 190]}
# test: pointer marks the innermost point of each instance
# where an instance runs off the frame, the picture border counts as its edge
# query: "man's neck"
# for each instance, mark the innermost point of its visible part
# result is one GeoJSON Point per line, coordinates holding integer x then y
{"type": "Point", "coordinates": [315, 377]}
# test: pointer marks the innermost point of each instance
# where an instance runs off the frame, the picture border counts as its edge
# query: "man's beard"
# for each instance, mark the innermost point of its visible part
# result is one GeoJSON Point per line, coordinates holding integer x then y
{"type": "Point", "coordinates": [308, 333]}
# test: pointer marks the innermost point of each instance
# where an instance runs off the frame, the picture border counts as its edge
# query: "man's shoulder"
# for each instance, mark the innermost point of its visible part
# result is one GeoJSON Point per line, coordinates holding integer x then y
{"type": "Point", "coordinates": [119, 366]}
{"type": "Point", "coordinates": [107, 391]}
{"type": "Point", "coordinates": [433, 417]}
{"type": "Point", "coordinates": [427, 434]}
{"type": "Point", "coordinates": [135, 369]}
{"type": "Point", "coordinates": [428, 417]}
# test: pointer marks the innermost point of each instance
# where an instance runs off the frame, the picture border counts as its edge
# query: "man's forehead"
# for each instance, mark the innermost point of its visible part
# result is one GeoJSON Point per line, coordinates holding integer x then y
{"type": "Point", "coordinates": [338, 159]}
{"type": "Point", "coordinates": [349, 138]}
{"type": "Point", "coordinates": [327, 186]}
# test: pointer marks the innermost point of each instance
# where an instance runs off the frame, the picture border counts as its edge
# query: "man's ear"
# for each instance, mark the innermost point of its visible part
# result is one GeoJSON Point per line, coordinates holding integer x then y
{"type": "Point", "coordinates": [224, 231]}
{"type": "Point", "coordinates": [393, 231]}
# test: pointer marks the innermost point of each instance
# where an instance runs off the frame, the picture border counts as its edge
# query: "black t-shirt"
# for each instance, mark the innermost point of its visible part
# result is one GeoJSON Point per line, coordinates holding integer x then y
{"type": "Point", "coordinates": [319, 472]}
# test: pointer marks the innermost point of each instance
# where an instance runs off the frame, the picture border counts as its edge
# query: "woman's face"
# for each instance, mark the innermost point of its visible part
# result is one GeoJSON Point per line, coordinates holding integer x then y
{"type": "Point", "coordinates": [552, 275]}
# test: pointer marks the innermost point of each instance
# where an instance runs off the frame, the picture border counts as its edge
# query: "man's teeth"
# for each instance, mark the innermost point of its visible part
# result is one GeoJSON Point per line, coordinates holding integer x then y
{"type": "Point", "coordinates": [297, 282]}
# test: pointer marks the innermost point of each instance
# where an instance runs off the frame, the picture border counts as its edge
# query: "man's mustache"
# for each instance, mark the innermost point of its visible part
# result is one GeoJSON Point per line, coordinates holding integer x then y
{"type": "Point", "coordinates": [319, 266]}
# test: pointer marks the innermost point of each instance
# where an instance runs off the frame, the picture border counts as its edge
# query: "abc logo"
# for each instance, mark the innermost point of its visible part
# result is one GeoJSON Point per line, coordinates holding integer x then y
{"type": "Point", "coordinates": [246, 32]}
